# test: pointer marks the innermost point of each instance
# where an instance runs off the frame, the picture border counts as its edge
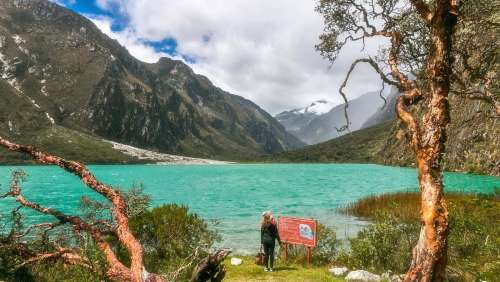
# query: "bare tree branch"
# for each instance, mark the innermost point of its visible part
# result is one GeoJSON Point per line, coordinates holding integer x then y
{"type": "Point", "coordinates": [68, 256]}
{"type": "Point", "coordinates": [381, 94]}
{"type": "Point", "coordinates": [117, 271]}
{"type": "Point", "coordinates": [382, 75]}
{"type": "Point", "coordinates": [48, 226]}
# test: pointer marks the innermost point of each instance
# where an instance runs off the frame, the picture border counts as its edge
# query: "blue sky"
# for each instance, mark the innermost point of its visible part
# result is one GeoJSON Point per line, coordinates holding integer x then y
{"type": "Point", "coordinates": [120, 21]}
{"type": "Point", "coordinates": [262, 50]}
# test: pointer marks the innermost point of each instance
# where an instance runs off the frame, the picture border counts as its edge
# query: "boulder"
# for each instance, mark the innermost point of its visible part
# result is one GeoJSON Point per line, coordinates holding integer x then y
{"type": "Point", "coordinates": [236, 261]}
{"type": "Point", "coordinates": [389, 276]}
{"type": "Point", "coordinates": [362, 276]}
{"type": "Point", "coordinates": [338, 271]}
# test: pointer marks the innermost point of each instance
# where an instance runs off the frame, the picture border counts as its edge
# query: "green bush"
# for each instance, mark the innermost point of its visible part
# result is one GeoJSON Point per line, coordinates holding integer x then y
{"type": "Point", "coordinates": [474, 244]}
{"type": "Point", "coordinates": [473, 241]}
{"type": "Point", "coordinates": [171, 237]}
{"type": "Point", "coordinates": [328, 246]}
{"type": "Point", "coordinates": [325, 252]}
{"type": "Point", "coordinates": [384, 245]}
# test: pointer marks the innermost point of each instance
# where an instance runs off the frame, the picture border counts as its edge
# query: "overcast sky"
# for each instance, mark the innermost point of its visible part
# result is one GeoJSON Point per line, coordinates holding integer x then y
{"type": "Point", "coordinates": [262, 50]}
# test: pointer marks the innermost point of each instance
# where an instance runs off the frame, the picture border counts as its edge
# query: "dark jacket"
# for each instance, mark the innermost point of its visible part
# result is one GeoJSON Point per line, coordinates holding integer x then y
{"type": "Point", "coordinates": [269, 233]}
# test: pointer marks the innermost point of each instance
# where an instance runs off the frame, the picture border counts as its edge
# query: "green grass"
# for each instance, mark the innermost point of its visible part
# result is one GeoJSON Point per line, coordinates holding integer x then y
{"type": "Point", "coordinates": [248, 271]}
{"type": "Point", "coordinates": [406, 205]}
{"type": "Point", "coordinates": [66, 143]}
{"type": "Point", "coordinates": [473, 241]}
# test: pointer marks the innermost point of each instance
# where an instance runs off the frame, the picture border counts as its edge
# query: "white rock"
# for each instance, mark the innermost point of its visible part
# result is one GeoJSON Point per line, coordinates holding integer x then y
{"type": "Point", "coordinates": [44, 90]}
{"type": "Point", "coordinates": [50, 118]}
{"type": "Point", "coordinates": [236, 261]}
{"type": "Point", "coordinates": [338, 271]}
{"type": "Point", "coordinates": [388, 276]}
{"type": "Point", "coordinates": [362, 276]}
{"type": "Point", "coordinates": [396, 278]}
{"type": "Point", "coordinates": [18, 39]}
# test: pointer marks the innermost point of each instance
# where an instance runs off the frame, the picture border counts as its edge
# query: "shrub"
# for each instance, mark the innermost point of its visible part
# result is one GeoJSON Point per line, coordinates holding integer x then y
{"type": "Point", "coordinates": [171, 237]}
{"type": "Point", "coordinates": [328, 246]}
{"type": "Point", "coordinates": [325, 251]}
{"type": "Point", "coordinates": [474, 244]}
{"type": "Point", "coordinates": [173, 241]}
{"type": "Point", "coordinates": [384, 245]}
{"type": "Point", "coordinates": [473, 241]}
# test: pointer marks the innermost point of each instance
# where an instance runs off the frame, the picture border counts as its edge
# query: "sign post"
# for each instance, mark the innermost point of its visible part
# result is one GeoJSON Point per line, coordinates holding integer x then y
{"type": "Point", "coordinates": [298, 231]}
{"type": "Point", "coordinates": [286, 251]}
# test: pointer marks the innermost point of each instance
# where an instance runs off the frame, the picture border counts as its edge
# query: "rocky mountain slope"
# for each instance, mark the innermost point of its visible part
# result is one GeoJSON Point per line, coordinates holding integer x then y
{"type": "Point", "coordinates": [386, 112]}
{"type": "Point", "coordinates": [296, 120]}
{"type": "Point", "coordinates": [473, 143]}
{"type": "Point", "coordinates": [316, 127]}
{"type": "Point", "coordinates": [58, 69]}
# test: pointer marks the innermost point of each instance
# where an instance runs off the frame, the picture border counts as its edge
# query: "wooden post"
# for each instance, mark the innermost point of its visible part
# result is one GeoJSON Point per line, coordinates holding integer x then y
{"type": "Point", "coordinates": [286, 251]}
{"type": "Point", "coordinates": [309, 255]}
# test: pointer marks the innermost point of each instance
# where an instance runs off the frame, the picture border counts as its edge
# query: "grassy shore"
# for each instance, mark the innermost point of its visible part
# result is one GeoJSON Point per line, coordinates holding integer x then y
{"type": "Point", "coordinates": [406, 205]}
{"type": "Point", "coordinates": [248, 271]}
{"type": "Point", "coordinates": [473, 241]}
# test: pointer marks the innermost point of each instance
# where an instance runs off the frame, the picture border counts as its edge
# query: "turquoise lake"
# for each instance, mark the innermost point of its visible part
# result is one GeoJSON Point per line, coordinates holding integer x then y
{"type": "Point", "coordinates": [236, 194]}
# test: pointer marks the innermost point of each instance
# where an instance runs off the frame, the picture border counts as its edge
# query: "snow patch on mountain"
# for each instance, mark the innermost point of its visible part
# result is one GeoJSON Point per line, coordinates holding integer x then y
{"type": "Point", "coordinates": [318, 107]}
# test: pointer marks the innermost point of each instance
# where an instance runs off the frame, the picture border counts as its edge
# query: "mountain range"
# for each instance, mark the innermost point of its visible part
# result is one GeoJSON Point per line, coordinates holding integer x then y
{"type": "Point", "coordinates": [67, 88]}
{"type": "Point", "coordinates": [472, 143]}
{"type": "Point", "coordinates": [61, 76]}
{"type": "Point", "coordinates": [322, 121]}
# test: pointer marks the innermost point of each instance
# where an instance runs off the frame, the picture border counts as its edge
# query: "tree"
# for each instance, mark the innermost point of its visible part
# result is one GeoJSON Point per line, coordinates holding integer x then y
{"type": "Point", "coordinates": [111, 236]}
{"type": "Point", "coordinates": [423, 64]}
{"type": "Point", "coordinates": [116, 269]}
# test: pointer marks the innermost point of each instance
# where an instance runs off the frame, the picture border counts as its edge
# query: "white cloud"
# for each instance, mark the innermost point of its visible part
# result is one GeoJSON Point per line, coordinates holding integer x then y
{"type": "Point", "coordinates": [63, 2]}
{"type": "Point", "coordinates": [262, 50]}
{"type": "Point", "coordinates": [127, 38]}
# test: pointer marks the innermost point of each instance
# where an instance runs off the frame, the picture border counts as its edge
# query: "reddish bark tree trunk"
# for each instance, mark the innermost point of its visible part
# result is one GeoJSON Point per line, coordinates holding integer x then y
{"type": "Point", "coordinates": [430, 253]}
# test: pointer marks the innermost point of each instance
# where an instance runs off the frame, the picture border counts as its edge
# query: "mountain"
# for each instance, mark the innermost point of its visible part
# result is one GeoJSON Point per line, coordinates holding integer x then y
{"type": "Point", "coordinates": [295, 120]}
{"type": "Point", "coordinates": [314, 127]}
{"type": "Point", "coordinates": [384, 113]}
{"type": "Point", "coordinates": [59, 71]}
{"type": "Point", "coordinates": [472, 144]}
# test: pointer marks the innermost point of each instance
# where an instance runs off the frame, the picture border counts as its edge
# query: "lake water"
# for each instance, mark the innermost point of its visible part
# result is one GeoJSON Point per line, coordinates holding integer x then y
{"type": "Point", "coordinates": [235, 195]}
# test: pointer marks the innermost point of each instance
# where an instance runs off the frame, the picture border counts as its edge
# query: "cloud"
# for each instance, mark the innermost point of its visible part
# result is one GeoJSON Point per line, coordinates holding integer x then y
{"type": "Point", "coordinates": [64, 2]}
{"type": "Point", "coordinates": [128, 38]}
{"type": "Point", "coordinates": [262, 50]}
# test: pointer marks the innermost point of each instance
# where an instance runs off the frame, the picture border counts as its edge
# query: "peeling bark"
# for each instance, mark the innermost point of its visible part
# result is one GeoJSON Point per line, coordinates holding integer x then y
{"type": "Point", "coordinates": [421, 36]}
{"type": "Point", "coordinates": [430, 253]}
{"type": "Point", "coordinates": [116, 270]}
{"type": "Point", "coordinates": [428, 138]}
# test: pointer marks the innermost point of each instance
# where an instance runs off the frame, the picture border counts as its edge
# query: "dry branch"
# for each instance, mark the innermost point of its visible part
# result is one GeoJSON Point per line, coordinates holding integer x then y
{"type": "Point", "coordinates": [116, 271]}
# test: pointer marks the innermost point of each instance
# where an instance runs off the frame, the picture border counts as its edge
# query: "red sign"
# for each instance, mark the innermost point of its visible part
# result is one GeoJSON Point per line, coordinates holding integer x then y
{"type": "Point", "coordinates": [299, 231]}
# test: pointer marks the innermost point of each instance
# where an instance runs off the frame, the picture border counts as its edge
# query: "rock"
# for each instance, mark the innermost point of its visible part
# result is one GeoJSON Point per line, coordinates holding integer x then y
{"type": "Point", "coordinates": [388, 276]}
{"type": "Point", "coordinates": [236, 261]}
{"type": "Point", "coordinates": [362, 276]}
{"type": "Point", "coordinates": [338, 271]}
{"type": "Point", "coordinates": [397, 278]}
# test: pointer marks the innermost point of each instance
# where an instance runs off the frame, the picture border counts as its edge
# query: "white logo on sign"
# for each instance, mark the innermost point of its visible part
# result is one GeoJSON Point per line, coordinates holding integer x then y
{"type": "Point", "coordinates": [305, 231]}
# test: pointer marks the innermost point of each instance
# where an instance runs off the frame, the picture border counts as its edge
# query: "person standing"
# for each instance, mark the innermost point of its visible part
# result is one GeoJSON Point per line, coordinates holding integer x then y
{"type": "Point", "coordinates": [268, 236]}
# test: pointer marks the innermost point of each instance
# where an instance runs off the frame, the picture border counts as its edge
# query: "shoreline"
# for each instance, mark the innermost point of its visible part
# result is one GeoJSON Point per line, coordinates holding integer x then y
{"type": "Point", "coordinates": [182, 160]}
{"type": "Point", "coordinates": [157, 158]}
